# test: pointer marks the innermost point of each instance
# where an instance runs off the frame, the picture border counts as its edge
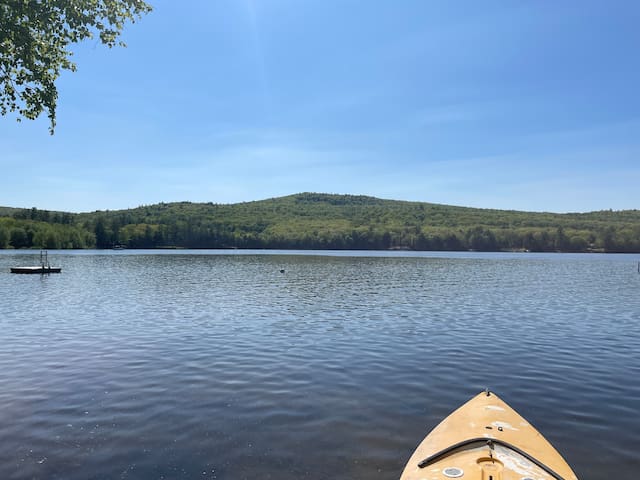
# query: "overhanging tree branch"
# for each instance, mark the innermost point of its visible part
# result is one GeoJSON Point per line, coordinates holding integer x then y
{"type": "Point", "coordinates": [35, 36]}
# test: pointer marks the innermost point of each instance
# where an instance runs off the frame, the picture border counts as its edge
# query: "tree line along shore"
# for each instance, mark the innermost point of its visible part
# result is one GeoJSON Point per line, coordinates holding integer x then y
{"type": "Point", "coordinates": [322, 221]}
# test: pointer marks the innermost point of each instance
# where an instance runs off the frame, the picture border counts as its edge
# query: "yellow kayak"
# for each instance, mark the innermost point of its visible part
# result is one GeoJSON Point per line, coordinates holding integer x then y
{"type": "Point", "coordinates": [485, 439]}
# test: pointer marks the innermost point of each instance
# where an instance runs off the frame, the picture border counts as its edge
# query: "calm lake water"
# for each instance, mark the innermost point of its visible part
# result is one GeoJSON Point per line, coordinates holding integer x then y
{"type": "Point", "coordinates": [215, 365]}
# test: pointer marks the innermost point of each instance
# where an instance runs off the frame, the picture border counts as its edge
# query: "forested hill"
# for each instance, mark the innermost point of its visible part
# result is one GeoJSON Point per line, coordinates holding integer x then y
{"type": "Point", "coordinates": [322, 221]}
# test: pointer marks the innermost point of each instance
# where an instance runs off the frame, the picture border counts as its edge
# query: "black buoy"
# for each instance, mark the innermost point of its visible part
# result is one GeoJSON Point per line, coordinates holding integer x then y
{"type": "Point", "coordinates": [282, 270]}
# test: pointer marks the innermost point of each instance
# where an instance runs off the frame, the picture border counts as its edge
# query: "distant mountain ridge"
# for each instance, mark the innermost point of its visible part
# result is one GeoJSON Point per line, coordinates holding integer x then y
{"type": "Point", "coordinates": [322, 221]}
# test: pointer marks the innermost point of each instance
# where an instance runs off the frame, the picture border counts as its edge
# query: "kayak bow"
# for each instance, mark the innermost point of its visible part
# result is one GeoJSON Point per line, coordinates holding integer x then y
{"type": "Point", "coordinates": [486, 439]}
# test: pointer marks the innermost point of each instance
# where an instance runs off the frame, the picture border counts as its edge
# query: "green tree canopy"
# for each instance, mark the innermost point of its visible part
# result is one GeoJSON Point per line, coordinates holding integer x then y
{"type": "Point", "coordinates": [35, 36]}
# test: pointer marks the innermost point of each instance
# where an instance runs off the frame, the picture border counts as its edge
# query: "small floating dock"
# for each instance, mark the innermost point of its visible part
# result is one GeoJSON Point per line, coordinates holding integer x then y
{"type": "Point", "coordinates": [43, 268]}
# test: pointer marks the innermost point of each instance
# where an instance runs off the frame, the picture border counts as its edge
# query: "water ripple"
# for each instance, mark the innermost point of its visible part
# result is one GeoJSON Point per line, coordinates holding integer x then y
{"type": "Point", "coordinates": [217, 365]}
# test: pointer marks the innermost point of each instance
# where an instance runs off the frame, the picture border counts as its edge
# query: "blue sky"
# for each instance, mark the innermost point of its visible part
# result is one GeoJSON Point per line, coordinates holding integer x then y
{"type": "Point", "coordinates": [512, 105]}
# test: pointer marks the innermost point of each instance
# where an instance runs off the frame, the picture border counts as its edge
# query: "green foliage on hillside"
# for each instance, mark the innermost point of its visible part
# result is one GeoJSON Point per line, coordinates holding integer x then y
{"type": "Point", "coordinates": [321, 221]}
{"type": "Point", "coordinates": [19, 233]}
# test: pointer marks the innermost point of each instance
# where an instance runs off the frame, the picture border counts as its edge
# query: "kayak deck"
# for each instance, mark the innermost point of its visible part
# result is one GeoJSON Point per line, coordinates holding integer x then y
{"type": "Point", "coordinates": [486, 439]}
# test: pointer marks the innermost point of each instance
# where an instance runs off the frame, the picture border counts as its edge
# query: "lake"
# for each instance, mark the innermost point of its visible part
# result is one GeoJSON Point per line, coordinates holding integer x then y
{"type": "Point", "coordinates": [215, 365]}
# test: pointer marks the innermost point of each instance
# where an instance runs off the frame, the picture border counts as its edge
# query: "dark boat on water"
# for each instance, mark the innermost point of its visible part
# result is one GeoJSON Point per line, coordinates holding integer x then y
{"type": "Point", "coordinates": [43, 268]}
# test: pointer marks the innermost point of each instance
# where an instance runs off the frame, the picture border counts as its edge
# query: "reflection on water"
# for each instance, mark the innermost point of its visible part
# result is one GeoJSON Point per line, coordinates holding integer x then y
{"type": "Point", "coordinates": [153, 365]}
